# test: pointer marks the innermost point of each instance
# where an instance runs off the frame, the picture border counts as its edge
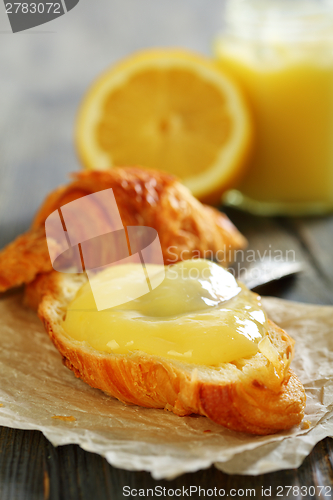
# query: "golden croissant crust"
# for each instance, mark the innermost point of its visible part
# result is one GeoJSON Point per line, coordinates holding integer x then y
{"type": "Point", "coordinates": [186, 228]}
{"type": "Point", "coordinates": [247, 395]}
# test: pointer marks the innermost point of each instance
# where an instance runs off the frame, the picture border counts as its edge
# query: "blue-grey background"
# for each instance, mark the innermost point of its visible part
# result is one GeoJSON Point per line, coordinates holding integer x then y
{"type": "Point", "coordinates": [45, 71]}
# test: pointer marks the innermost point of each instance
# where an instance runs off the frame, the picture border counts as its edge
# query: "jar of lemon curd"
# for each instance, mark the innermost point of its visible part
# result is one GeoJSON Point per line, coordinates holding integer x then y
{"type": "Point", "coordinates": [281, 54]}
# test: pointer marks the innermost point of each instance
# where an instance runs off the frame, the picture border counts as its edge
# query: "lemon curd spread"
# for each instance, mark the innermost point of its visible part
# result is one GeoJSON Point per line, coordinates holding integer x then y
{"type": "Point", "coordinates": [198, 314]}
{"type": "Point", "coordinates": [280, 52]}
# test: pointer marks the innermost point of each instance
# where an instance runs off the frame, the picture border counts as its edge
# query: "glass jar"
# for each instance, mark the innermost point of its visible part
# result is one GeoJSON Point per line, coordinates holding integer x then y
{"type": "Point", "coordinates": [281, 54]}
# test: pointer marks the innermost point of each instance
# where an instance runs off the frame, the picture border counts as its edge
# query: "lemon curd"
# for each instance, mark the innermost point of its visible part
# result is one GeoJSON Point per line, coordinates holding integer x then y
{"type": "Point", "coordinates": [281, 55]}
{"type": "Point", "coordinates": [198, 314]}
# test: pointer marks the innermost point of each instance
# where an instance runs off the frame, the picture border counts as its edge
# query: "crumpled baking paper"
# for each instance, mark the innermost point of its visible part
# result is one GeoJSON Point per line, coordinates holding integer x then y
{"type": "Point", "coordinates": [35, 386]}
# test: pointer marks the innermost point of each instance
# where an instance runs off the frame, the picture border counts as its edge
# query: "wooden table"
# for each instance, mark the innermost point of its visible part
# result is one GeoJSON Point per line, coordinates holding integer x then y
{"type": "Point", "coordinates": [31, 468]}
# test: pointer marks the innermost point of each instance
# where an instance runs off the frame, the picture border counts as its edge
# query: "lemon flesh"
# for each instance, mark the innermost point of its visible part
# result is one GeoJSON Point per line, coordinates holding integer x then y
{"type": "Point", "coordinates": [167, 110]}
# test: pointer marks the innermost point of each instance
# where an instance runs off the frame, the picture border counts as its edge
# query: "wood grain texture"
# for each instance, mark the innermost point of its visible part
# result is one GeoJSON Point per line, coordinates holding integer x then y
{"type": "Point", "coordinates": [308, 240]}
{"type": "Point", "coordinates": [31, 468]}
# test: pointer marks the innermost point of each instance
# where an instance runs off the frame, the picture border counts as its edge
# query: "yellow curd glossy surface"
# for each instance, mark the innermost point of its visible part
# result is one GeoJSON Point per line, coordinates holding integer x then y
{"type": "Point", "coordinates": [292, 103]}
{"type": "Point", "coordinates": [198, 314]}
{"type": "Point", "coordinates": [281, 55]}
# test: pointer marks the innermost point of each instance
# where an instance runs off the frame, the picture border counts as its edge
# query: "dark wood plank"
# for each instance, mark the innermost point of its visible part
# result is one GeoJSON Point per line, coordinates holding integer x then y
{"type": "Point", "coordinates": [316, 234]}
{"type": "Point", "coordinates": [293, 238]}
{"type": "Point", "coordinates": [21, 464]}
{"type": "Point", "coordinates": [31, 468]}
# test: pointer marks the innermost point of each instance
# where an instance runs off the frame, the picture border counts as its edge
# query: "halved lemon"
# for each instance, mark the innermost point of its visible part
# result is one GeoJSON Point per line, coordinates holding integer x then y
{"type": "Point", "coordinates": [171, 110]}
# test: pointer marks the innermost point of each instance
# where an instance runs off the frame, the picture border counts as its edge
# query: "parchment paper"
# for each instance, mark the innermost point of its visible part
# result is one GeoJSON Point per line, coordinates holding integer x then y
{"type": "Point", "coordinates": [35, 386]}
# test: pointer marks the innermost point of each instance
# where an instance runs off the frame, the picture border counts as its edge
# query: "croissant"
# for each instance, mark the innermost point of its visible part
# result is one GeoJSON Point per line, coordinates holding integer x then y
{"type": "Point", "coordinates": [186, 228]}
{"type": "Point", "coordinates": [252, 395]}
{"type": "Point", "coordinates": [259, 394]}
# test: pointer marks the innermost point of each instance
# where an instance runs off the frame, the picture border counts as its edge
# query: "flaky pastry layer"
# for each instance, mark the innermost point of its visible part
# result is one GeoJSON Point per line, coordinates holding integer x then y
{"type": "Point", "coordinates": [186, 227]}
{"type": "Point", "coordinates": [250, 395]}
